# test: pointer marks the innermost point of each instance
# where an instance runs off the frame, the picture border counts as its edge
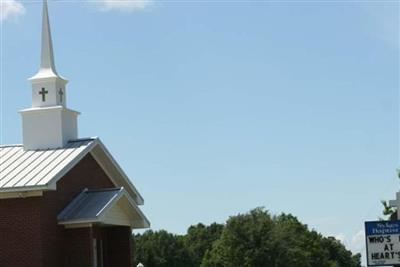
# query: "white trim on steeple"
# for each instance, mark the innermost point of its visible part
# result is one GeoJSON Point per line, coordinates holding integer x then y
{"type": "Point", "coordinates": [48, 123]}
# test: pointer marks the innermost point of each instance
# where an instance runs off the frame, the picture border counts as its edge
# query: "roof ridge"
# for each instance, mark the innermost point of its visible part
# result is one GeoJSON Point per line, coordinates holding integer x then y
{"type": "Point", "coordinates": [83, 139]}
{"type": "Point", "coordinates": [11, 145]}
{"type": "Point", "coordinates": [70, 141]}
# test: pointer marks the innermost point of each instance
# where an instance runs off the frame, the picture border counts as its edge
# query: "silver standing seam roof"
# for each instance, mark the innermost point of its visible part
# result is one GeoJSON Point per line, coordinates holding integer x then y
{"type": "Point", "coordinates": [36, 168]}
{"type": "Point", "coordinates": [91, 205]}
{"type": "Point", "coordinates": [39, 170]}
{"type": "Point", "coordinates": [29, 170]}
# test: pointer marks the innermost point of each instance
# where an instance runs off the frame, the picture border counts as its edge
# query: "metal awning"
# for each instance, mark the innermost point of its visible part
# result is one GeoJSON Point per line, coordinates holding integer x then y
{"type": "Point", "coordinates": [111, 206]}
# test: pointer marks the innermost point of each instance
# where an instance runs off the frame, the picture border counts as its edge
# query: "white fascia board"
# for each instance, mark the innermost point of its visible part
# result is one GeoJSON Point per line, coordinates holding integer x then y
{"type": "Point", "coordinates": [140, 224]}
{"type": "Point", "coordinates": [22, 194]}
{"type": "Point", "coordinates": [25, 188]}
{"type": "Point", "coordinates": [80, 225]}
{"type": "Point", "coordinates": [143, 217]}
{"type": "Point", "coordinates": [80, 221]}
{"type": "Point", "coordinates": [139, 199]}
{"type": "Point", "coordinates": [144, 221]}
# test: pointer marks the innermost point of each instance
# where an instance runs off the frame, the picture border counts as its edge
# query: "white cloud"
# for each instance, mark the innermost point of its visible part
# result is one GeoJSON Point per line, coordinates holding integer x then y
{"type": "Point", "coordinates": [341, 237]}
{"type": "Point", "coordinates": [356, 243]}
{"type": "Point", "coordinates": [384, 22]}
{"type": "Point", "coordinates": [125, 5]}
{"type": "Point", "coordinates": [10, 9]}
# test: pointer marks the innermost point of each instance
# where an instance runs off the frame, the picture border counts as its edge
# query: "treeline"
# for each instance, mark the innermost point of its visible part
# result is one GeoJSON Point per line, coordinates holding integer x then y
{"type": "Point", "coordinates": [254, 239]}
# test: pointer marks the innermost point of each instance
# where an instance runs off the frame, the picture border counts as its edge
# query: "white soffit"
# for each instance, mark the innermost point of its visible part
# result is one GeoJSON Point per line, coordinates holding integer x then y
{"type": "Point", "coordinates": [114, 171]}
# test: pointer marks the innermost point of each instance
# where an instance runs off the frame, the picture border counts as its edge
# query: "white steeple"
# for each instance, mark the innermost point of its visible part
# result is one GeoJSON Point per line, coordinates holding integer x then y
{"type": "Point", "coordinates": [47, 72]}
{"type": "Point", "coordinates": [48, 123]}
{"type": "Point", "coordinates": [47, 56]}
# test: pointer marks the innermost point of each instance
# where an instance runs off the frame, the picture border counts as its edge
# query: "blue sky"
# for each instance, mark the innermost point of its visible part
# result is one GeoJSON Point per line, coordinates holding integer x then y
{"type": "Point", "coordinates": [217, 107]}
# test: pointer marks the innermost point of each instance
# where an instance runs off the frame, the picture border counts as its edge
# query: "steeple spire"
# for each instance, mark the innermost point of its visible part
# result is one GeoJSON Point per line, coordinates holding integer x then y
{"type": "Point", "coordinates": [47, 67]}
{"type": "Point", "coordinates": [47, 57]}
{"type": "Point", "coordinates": [48, 123]}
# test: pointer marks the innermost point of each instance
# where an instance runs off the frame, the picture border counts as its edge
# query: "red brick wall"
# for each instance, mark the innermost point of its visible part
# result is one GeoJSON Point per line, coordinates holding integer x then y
{"type": "Point", "coordinates": [20, 240]}
{"type": "Point", "coordinates": [119, 242]}
{"type": "Point", "coordinates": [86, 174]}
{"type": "Point", "coordinates": [30, 235]}
{"type": "Point", "coordinates": [77, 245]}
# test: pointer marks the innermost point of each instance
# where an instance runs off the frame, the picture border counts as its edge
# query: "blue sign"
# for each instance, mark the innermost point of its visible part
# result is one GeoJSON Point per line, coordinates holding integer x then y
{"type": "Point", "coordinates": [382, 227]}
{"type": "Point", "coordinates": [383, 243]}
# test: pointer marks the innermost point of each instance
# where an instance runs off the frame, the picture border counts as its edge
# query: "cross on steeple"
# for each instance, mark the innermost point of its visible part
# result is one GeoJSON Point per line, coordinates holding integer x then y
{"type": "Point", "coordinates": [396, 204]}
{"type": "Point", "coordinates": [61, 93]}
{"type": "Point", "coordinates": [47, 81]}
{"type": "Point", "coordinates": [43, 92]}
{"type": "Point", "coordinates": [49, 96]}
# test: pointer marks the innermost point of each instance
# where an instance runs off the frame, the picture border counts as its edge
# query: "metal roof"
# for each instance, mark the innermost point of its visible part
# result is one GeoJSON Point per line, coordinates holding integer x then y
{"type": "Point", "coordinates": [37, 170]}
{"type": "Point", "coordinates": [89, 204]}
{"type": "Point", "coordinates": [21, 169]}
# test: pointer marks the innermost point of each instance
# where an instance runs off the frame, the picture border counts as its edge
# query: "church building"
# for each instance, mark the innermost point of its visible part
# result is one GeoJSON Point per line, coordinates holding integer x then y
{"type": "Point", "coordinates": [64, 200]}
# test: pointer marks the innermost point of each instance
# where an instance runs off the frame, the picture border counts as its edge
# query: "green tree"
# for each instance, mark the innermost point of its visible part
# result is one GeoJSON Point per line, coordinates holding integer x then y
{"type": "Point", "coordinates": [389, 213]}
{"type": "Point", "coordinates": [161, 249]}
{"type": "Point", "coordinates": [200, 238]}
{"type": "Point", "coordinates": [258, 239]}
{"type": "Point", "coordinates": [338, 255]}
{"type": "Point", "coordinates": [254, 239]}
